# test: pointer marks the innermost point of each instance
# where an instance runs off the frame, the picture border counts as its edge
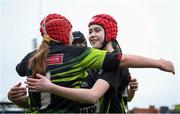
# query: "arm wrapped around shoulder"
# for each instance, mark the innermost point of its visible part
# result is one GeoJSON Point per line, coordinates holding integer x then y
{"type": "Point", "coordinates": [135, 61]}
{"type": "Point", "coordinates": [22, 67]}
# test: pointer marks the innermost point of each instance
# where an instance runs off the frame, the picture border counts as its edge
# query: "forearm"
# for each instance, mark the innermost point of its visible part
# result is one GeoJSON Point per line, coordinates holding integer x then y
{"type": "Point", "coordinates": [90, 96]}
{"type": "Point", "coordinates": [80, 95]}
{"type": "Point", "coordinates": [42, 84]}
{"type": "Point", "coordinates": [134, 61]}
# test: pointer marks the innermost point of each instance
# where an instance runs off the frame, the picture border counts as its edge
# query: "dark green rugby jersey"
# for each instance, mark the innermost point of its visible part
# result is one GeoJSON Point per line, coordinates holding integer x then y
{"type": "Point", "coordinates": [67, 67]}
{"type": "Point", "coordinates": [113, 100]}
{"type": "Point", "coordinates": [112, 103]}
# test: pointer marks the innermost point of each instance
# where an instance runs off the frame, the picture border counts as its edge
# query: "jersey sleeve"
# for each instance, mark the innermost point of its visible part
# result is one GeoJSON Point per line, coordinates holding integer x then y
{"type": "Point", "coordinates": [112, 61]}
{"type": "Point", "coordinates": [110, 77]}
{"type": "Point", "coordinates": [100, 59]}
{"type": "Point", "coordinates": [22, 67]}
{"type": "Point", "coordinates": [94, 59]}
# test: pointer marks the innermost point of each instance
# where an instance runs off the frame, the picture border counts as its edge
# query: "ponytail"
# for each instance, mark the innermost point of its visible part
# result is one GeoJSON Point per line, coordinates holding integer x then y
{"type": "Point", "coordinates": [125, 75]}
{"type": "Point", "coordinates": [38, 61]}
{"type": "Point", "coordinates": [116, 46]}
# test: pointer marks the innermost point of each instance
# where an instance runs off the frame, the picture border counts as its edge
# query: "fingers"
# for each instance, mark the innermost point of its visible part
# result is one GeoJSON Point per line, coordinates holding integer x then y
{"type": "Point", "coordinates": [134, 84]}
{"type": "Point", "coordinates": [133, 80]}
{"type": "Point", "coordinates": [32, 80]}
{"type": "Point", "coordinates": [32, 88]}
{"type": "Point", "coordinates": [135, 88]}
{"type": "Point", "coordinates": [172, 67]}
{"type": "Point", "coordinates": [166, 66]}
{"type": "Point", "coordinates": [20, 98]}
{"type": "Point", "coordinates": [17, 90]}
{"type": "Point", "coordinates": [14, 89]}
{"type": "Point", "coordinates": [17, 94]}
{"type": "Point", "coordinates": [30, 83]}
{"type": "Point", "coordinates": [39, 76]}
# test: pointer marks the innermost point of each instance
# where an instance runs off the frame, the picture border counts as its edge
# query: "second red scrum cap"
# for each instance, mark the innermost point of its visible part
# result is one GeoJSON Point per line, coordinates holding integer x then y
{"type": "Point", "coordinates": [108, 23]}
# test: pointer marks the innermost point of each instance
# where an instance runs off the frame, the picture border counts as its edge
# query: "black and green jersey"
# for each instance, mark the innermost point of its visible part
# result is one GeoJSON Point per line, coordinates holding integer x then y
{"type": "Point", "coordinates": [113, 100]}
{"type": "Point", "coordinates": [88, 83]}
{"type": "Point", "coordinates": [67, 67]}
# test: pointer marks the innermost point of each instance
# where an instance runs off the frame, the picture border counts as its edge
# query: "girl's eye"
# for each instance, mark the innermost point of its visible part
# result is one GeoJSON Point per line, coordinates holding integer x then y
{"type": "Point", "coordinates": [90, 31]}
{"type": "Point", "coordinates": [97, 30]}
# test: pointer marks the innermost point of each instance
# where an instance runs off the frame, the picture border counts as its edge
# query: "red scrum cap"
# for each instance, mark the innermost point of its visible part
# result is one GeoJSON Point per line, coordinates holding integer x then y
{"type": "Point", "coordinates": [108, 23]}
{"type": "Point", "coordinates": [57, 27]}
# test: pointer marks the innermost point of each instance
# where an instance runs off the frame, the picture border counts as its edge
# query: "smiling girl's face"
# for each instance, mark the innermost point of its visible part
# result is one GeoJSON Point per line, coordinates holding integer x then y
{"type": "Point", "coordinates": [96, 36]}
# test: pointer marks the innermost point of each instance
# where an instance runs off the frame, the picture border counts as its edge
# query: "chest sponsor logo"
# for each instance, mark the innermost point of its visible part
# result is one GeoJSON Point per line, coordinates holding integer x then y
{"type": "Point", "coordinates": [54, 59]}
